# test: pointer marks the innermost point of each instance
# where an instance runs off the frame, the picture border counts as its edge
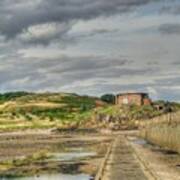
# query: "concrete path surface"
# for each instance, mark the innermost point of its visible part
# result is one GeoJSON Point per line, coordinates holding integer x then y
{"type": "Point", "coordinates": [122, 164]}
{"type": "Point", "coordinates": [128, 160]}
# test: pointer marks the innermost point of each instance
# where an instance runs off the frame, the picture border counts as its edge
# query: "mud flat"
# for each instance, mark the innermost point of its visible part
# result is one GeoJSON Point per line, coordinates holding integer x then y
{"type": "Point", "coordinates": [158, 163]}
{"type": "Point", "coordinates": [52, 155]}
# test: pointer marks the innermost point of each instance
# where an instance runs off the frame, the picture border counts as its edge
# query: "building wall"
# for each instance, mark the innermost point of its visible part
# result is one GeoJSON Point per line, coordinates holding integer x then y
{"type": "Point", "coordinates": [130, 99]}
{"type": "Point", "coordinates": [147, 101]}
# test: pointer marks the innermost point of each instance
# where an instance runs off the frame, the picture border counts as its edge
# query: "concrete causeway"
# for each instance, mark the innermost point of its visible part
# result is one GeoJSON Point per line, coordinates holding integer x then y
{"type": "Point", "coordinates": [121, 163]}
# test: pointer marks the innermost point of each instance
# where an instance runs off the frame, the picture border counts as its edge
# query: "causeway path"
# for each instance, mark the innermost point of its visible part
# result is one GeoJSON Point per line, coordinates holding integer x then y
{"type": "Point", "coordinates": [121, 163]}
{"type": "Point", "coordinates": [131, 158]}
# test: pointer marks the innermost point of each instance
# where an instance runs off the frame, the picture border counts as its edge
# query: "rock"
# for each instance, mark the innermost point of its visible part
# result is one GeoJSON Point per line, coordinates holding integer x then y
{"type": "Point", "coordinates": [108, 119]}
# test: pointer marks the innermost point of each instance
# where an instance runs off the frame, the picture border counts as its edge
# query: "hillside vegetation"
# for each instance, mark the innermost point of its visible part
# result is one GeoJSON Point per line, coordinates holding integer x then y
{"type": "Point", "coordinates": [128, 117]}
{"type": "Point", "coordinates": [30, 110]}
{"type": "Point", "coordinates": [22, 110]}
{"type": "Point", "coordinates": [11, 96]}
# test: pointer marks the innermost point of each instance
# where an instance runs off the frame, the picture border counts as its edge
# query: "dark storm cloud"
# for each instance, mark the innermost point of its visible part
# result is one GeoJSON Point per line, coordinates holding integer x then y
{"type": "Point", "coordinates": [176, 63]}
{"type": "Point", "coordinates": [62, 36]}
{"type": "Point", "coordinates": [95, 72]}
{"type": "Point", "coordinates": [88, 63]}
{"type": "Point", "coordinates": [169, 82]}
{"type": "Point", "coordinates": [170, 28]}
{"type": "Point", "coordinates": [17, 16]}
{"type": "Point", "coordinates": [59, 34]}
{"type": "Point", "coordinates": [96, 32]}
{"type": "Point", "coordinates": [168, 95]}
{"type": "Point", "coordinates": [63, 70]}
{"type": "Point", "coordinates": [82, 57]}
{"type": "Point", "coordinates": [117, 88]}
{"type": "Point", "coordinates": [172, 9]}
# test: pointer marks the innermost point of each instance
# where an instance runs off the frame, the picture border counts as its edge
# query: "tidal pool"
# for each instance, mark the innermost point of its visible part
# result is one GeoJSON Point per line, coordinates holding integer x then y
{"type": "Point", "coordinates": [51, 157]}
{"type": "Point", "coordinates": [71, 156]}
{"type": "Point", "coordinates": [70, 162]}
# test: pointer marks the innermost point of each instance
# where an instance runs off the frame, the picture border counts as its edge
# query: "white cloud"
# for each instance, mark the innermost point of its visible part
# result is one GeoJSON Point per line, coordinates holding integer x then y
{"type": "Point", "coordinates": [153, 92]}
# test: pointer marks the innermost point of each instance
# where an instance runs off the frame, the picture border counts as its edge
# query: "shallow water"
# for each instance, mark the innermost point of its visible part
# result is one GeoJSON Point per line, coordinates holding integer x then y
{"type": "Point", "coordinates": [71, 156]}
{"type": "Point", "coordinates": [53, 177]}
{"type": "Point", "coordinates": [60, 157]}
{"type": "Point", "coordinates": [140, 141]}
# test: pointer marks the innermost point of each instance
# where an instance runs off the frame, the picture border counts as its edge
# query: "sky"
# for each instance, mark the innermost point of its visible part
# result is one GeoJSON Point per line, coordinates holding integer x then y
{"type": "Point", "coordinates": [91, 46]}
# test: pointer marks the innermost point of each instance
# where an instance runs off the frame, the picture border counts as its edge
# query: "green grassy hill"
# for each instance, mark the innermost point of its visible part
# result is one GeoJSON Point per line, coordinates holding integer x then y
{"type": "Point", "coordinates": [22, 110]}
{"type": "Point", "coordinates": [30, 110]}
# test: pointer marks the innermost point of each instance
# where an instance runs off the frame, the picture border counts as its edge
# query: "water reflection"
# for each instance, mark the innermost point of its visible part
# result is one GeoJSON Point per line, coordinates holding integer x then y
{"type": "Point", "coordinates": [54, 177]}
{"type": "Point", "coordinates": [60, 157]}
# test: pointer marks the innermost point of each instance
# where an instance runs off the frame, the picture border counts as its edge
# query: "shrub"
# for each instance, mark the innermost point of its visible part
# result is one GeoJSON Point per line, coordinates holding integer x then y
{"type": "Point", "coordinates": [108, 98]}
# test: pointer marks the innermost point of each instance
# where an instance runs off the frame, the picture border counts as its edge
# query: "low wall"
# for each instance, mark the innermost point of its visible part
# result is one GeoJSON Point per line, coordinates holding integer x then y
{"type": "Point", "coordinates": [163, 131]}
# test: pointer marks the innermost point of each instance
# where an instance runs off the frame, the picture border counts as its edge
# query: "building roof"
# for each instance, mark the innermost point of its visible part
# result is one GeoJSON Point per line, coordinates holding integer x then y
{"type": "Point", "coordinates": [132, 93]}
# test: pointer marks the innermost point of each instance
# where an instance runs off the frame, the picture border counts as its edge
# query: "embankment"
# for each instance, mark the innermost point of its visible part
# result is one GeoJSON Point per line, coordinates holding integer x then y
{"type": "Point", "coordinates": [163, 131]}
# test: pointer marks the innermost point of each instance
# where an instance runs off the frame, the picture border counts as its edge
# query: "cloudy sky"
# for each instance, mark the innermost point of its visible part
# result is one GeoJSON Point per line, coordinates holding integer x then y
{"type": "Point", "coordinates": [91, 46]}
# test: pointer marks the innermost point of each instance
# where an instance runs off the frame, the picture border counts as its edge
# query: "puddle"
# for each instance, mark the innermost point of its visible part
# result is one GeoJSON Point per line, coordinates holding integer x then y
{"type": "Point", "coordinates": [69, 165]}
{"type": "Point", "coordinates": [71, 156]}
{"type": "Point", "coordinates": [54, 177]}
{"type": "Point", "coordinates": [71, 161]}
{"type": "Point", "coordinates": [140, 141]}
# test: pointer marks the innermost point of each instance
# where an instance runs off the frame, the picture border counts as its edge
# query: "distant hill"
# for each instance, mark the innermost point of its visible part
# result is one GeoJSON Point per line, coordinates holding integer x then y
{"type": "Point", "coordinates": [23, 109]}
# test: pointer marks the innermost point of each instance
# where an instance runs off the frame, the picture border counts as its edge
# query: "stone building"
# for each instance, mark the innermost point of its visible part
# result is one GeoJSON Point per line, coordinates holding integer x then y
{"type": "Point", "coordinates": [133, 98]}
